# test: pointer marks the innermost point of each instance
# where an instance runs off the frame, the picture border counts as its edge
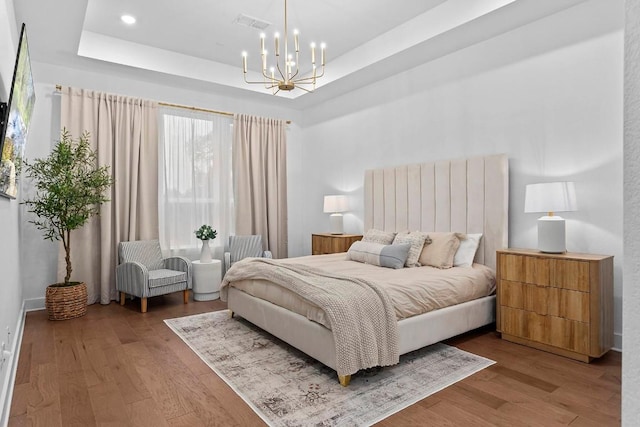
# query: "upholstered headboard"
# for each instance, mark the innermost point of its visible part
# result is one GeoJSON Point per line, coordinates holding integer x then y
{"type": "Point", "coordinates": [466, 195]}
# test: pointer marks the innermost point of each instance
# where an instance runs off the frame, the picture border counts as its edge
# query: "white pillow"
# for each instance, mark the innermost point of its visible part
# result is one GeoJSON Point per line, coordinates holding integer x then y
{"type": "Point", "coordinates": [467, 250]}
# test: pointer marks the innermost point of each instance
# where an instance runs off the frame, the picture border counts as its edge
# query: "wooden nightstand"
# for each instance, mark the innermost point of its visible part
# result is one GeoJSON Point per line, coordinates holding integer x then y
{"type": "Point", "coordinates": [325, 243]}
{"type": "Point", "coordinates": [561, 303]}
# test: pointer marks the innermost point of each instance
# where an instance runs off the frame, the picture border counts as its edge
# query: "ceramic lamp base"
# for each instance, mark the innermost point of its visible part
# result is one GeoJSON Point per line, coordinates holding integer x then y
{"type": "Point", "coordinates": [551, 235]}
{"type": "Point", "coordinates": [335, 223]}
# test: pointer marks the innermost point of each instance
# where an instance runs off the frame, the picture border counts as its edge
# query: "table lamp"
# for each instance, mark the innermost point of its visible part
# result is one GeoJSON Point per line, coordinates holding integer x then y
{"type": "Point", "coordinates": [551, 197]}
{"type": "Point", "coordinates": [335, 205]}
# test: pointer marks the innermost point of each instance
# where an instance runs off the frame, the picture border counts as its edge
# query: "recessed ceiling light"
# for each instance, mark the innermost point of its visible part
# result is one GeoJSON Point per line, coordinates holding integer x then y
{"type": "Point", "coordinates": [128, 19]}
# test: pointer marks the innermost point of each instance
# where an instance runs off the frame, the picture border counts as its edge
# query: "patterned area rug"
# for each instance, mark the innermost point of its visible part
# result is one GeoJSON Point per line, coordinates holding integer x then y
{"type": "Point", "coordinates": [285, 387]}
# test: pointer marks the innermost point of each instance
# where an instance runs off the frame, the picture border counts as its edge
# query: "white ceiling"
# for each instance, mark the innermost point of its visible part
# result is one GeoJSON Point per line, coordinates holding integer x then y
{"type": "Point", "coordinates": [367, 40]}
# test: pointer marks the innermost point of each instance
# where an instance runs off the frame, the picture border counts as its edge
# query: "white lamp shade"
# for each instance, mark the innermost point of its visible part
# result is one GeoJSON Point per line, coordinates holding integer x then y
{"type": "Point", "coordinates": [335, 203]}
{"type": "Point", "coordinates": [550, 197]}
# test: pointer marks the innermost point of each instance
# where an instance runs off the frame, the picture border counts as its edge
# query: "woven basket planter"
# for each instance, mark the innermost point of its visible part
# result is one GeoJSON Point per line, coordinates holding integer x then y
{"type": "Point", "coordinates": [66, 302]}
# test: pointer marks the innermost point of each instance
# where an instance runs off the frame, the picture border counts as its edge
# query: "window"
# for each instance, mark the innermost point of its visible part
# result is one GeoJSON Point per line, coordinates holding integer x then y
{"type": "Point", "coordinates": [195, 180]}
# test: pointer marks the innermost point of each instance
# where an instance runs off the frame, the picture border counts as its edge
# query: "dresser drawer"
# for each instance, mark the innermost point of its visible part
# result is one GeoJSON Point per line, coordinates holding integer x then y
{"type": "Point", "coordinates": [546, 329]}
{"type": "Point", "coordinates": [568, 274]}
{"type": "Point", "coordinates": [565, 303]}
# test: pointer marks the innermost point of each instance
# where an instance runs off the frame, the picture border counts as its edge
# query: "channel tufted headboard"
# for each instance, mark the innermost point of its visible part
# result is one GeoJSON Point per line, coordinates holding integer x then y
{"type": "Point", "coordinates": [466, 195]}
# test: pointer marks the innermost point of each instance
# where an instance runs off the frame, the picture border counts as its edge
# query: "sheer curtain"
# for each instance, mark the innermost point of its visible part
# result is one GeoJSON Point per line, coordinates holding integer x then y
{"type": "Point", "coordinates": [195, 180]}
{"type": "Point", "coordinates": [260, 168]}
{"type": "Point", "coordinates": [123, 131]}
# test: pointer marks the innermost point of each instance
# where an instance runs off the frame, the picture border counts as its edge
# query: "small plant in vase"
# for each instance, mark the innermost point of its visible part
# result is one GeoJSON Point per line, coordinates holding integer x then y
{"type": "Point", "coordinates": [205, 233]}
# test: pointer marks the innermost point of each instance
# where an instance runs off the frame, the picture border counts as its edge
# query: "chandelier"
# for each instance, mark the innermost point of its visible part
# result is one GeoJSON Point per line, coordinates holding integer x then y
{"type": "Point", "coordinates": [285, 74]}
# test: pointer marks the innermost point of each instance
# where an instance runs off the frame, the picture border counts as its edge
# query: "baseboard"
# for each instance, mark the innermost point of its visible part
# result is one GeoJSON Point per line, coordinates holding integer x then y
{"type": "Point", "coordinates": [34, 304]}
{"type": "Point", "coordinates": [617, 342]}
{"type": "Point", "coordinates": [12, 366]}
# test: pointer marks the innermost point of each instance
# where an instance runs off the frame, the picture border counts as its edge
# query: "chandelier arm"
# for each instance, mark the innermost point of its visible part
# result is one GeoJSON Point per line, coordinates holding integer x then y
{"type": "Point", "coordinates": [294, 75]}
{"type": "Point", "coordinates": [309, 79]}
{"type": "Point", "coordinates": [266, 76]}
{"type": "Point", "coordinates": [255, 83]}
{"type": "Point", "coordinates": [304, 89]}
{"type": "Point", "coordinates": [301, 79]}
{"type": "Point", "coordinates": [280, 71]}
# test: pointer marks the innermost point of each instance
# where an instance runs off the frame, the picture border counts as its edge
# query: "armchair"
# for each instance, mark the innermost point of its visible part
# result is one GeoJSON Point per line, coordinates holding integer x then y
{"type": "Point", "coordinates": [242, 247]}
{"type": "Point", "coordinates": [142, 272]}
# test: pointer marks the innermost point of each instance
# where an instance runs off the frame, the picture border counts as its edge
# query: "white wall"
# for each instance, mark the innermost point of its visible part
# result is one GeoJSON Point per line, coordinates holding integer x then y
{"type": "Point", "coordinates": [631, 314]}
{"type": "Point", "coordinates": [548, 94]}
{"type": "Point", "coordinates": [105, 77]}
{"type": "Point", "coordinates": [10, 287]}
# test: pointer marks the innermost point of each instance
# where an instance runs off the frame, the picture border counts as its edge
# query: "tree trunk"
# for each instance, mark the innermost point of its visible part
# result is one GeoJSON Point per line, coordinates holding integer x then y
{"type": "Point", "coordinates": [67, 258]}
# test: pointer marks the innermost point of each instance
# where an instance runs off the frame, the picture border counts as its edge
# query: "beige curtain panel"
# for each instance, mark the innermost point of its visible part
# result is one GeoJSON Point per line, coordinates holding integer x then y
{"type": "Point", "coordinates": [260, 180]}
{"type": "Point", "coordinates": [124, 133]}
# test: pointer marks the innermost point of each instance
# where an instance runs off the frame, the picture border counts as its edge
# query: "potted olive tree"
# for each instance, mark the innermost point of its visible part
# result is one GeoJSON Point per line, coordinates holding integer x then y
{"type": "Point", "coordinates": [69, 189]}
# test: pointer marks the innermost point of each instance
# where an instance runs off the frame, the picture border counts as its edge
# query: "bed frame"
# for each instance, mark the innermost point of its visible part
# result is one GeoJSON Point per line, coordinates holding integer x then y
{"type": "Point", "coordinates": [467, 195]}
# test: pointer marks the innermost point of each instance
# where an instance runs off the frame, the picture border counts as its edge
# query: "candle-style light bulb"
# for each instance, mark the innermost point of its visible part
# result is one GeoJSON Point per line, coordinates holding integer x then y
{"type": "Point", "coordinates": [323, 47]}
{"type": "Point", "coordinates": [277, 37]}
{"type": "Point", "coordinates": [295, 40]}
{"type": "Point", "coordinates": [262, 37]}
{"type": "Point", "coordinates": [313, 53]}
{"type": "Point", "coordinates": [244, 62]}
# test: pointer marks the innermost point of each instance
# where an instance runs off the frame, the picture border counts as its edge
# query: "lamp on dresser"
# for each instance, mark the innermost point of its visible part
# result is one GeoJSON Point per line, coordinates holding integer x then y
{"type": "Point", "coordinates": [551, 197]}
{"type": "Point", "coordinates": [335, 205]}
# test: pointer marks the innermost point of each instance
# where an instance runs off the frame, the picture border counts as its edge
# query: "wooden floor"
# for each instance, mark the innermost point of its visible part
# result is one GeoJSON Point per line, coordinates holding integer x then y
{"type": "Point", "coordinates": [119, 367]}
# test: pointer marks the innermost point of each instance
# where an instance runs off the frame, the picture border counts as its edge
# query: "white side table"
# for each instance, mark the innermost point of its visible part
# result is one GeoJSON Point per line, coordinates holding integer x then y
{"type": "Point", "coordinates": [206, 280]}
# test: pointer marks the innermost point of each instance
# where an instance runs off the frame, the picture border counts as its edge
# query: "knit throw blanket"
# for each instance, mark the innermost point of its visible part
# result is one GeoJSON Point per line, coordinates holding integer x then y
{"type": "Point", "coordinates": [360, 313]}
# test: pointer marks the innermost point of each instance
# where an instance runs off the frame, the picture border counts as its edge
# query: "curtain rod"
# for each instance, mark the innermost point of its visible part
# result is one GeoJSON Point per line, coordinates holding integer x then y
{"type": "Point", "coordinates": [186, 107]}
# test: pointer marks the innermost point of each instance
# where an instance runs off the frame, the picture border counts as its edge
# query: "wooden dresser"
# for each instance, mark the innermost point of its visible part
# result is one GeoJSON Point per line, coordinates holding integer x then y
{"type": "Point", "coordinates": [325, 243]}
{"type": "Point", "coordinates": [561, 303]}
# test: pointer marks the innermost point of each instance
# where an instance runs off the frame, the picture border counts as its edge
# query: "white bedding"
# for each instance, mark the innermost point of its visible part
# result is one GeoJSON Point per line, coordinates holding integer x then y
{"type": "Point", "coordinates": [412, 291]}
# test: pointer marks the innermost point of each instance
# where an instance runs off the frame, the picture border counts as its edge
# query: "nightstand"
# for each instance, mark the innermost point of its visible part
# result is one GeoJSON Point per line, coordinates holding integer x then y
{"type": "Point", "coordinates": [206, 280]}
{"type": "Point", "coordinates": [325, 243]}
{"type": "Point", "coordinates": [560, 303]}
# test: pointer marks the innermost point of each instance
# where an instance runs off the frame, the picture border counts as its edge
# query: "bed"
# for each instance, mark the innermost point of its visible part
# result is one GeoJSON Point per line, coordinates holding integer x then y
{"type": "Point", "coordinates": [465, 195]}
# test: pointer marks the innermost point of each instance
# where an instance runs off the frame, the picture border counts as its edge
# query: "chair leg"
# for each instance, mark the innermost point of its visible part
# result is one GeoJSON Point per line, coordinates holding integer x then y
{"type": "Point", "coordinates": [185, 296]}
{"type": "Point", "coordinates": [143, 305]}
{"type": "Point", "coordinates": [122, 298]}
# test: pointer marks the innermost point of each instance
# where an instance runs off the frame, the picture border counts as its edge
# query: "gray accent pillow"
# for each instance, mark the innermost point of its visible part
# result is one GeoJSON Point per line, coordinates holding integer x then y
{"type": "Point", "coordinates": [390, 256]}
{"type": "Point", "coordinates": [379, 236]}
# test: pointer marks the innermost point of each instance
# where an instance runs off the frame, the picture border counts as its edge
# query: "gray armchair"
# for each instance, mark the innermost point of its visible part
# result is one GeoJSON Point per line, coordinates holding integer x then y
{"type": "Point", "coordinates": [142, 272]}
{"type": "Point", "coordinates": [242, 247]}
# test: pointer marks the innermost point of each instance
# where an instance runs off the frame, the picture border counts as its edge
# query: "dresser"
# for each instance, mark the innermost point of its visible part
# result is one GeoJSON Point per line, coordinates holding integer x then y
{"type": "Point", "coordinates": [325, 243]}
{"type": "Point", "coordinates": [560, 303]}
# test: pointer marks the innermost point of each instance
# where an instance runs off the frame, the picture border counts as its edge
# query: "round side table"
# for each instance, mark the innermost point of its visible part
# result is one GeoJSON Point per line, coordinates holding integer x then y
{"type": "Point", "coordinates": [206, 280]}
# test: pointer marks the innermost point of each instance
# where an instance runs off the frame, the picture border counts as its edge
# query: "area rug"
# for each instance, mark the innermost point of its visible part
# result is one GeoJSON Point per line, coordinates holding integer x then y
{"type": "Point", "coordinates": [285, 387]}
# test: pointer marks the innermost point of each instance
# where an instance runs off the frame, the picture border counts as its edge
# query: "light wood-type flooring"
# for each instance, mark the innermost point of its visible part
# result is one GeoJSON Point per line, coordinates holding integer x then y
{"type": "Point", "coordinates": [119, 367]}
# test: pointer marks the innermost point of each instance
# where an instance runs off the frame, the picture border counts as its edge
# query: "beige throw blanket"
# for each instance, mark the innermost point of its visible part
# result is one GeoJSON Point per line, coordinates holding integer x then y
{"type": "Point", "coordinates": [361, 315]}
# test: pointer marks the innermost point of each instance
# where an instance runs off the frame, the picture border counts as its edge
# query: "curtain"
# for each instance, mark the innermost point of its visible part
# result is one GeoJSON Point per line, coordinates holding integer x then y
{"type": "Point", "coordinates": [123, 131]}
{"type": "Point", "coordinates": [260, 180]}
{"type": "Point", "coordinates": [195, 185]}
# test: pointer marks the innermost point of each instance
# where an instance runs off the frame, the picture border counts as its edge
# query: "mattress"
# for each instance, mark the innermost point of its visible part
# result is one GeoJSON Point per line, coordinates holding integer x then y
{"type": "Point", "coordinates": [413, 291]}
